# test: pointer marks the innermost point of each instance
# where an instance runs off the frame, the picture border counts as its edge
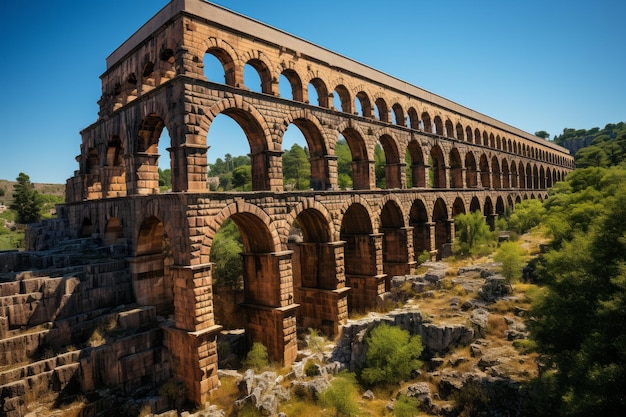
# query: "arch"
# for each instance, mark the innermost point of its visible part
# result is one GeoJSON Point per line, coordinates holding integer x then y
{"type": "Point", "coordinates": [460, 133]}
{"type": "Point", "coordinates": [496, 176]}
{"type": "Point", "coordinates": [398, 256]}
{"type": "Point", "coordinates": [438, 126]}
{"type": "Point", "coordinates": [311, 129]}
{"type": "Point", "coordinates": [360, 159]}
{"type": "Point", "coordinates": [477, 136]}
{"type": "Point", "coordinates": [469, 136]}
{"type": "Point", "coordinates": [514, 176]}
{"type": "Point", "coordinates": [458, 207]}
{"type": "Point", "coordinates": [321, 90]}
{"type": "Point", "coordinates": [500, 207]}
{"type": "Point", "coordinates": [489, 213]}
{"type": "Point", "coordinates": [415, 159]}
{"type": "Point", "coordinates": [510, 204]}
{"type": "Point", "coordinates": [86, 228]}
{"type": "Point", "coordinates": [344, 98]}
{"type": "Point", "coordinates": [535, 177]}
{"type": "Point", "coordinates": [427, 123]}
{"type": "Point", "coordinates": [484, 172]}
{"type": "Point", "coordinates": [456, 169]}
{"type": "Point", "coordinates": [263, 70]}
{"type": "Point", "coordinates": [366, 104]}
{"type": "Point", "coordinates": [418, 219]}
{"type": "Point", "coordinates": [382, 109]}
{"type": "Point", "coordinates": [297, 93]}
{"type": "Point", "coordinates": [450, 129]}
{"type": "Point", "coordinates": [542, 178]}
{"type": "Point", "coordinates": [393, 167]}
{"type": "Point", "coordinates": [224, 54]}
{"type": "Point", "coordinates": [438, 167]}
{"type": "Point", "coordinates": [442, 227]}
{"type": "Point", "coordinates": [471, 172]}
{"type": "Point", "coordinates": [398, 115]}
{"type": "Point", "coordinates": [485, 138]}
{"type": "Point", "coordinates": [414, 120]}
{"type": "Point", "coordinates": [474, 204]}
{"type": "Point", "coordinates": [506, 180]}
{"type": "Point", "coordinates": [521, 175]}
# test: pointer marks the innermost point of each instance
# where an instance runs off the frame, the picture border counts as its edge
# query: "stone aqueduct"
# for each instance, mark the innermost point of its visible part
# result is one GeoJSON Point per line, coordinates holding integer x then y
{"type": "Point", "coordinates": [353, 241]}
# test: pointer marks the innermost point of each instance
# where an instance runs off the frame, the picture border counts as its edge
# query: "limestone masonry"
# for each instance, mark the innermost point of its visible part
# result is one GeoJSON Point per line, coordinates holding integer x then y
{"type": "Point", "coordinates": [155, 248]}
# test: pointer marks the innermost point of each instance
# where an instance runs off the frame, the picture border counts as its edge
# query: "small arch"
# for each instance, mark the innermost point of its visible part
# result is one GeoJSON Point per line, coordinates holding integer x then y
{"type": "Point", "coordinates": [255, 70]}
{"type": "Point", "coordinates": [456, 169]}
{"type": "Point", "coordinates": [442, 228]}
{"type": "Point", "coordinates": [458, 207]}
{"type": "Point", "coordinates": [427, 123]}
{"type": "Point", "coordinates": [414, 122]}
{"type": "Point", "coordinates": [397, 114]}
{"type": "Point", "coordinates": [460, 133]}
{"type": "Point", "coordinates": [474, 204]}
{"type": "Point", "coordinates": [321, 91]}
{"type": "Point", "coordinates": [382, 110]}
{"type": "Point", "coordinates": [484, 172]}
{"type": "Point", "coordinates": [363, 101]}
{"type": "Point", "coordinates": [392, 168]}
{"type": "Point", "coordinates": [341, 99]}
{"type": "Point", "coordinates": [495, 173]}
{"type": "Point", "coordinates": [360, 160]}
{"type": "Point", "coordinates": [416, 177]}
{"type": "Point", "coordinates": [418, 219]}
{"type": "Point", "coordinates": [471, 171]}
{"type": "Point", "coordinates": [449, 132]}
{"type": "Point", "coordinates": [438, 167]}
{"type": "Point", "coordinates": [295, 83]}
{"type": "Point", "coordinates": [438, 126]}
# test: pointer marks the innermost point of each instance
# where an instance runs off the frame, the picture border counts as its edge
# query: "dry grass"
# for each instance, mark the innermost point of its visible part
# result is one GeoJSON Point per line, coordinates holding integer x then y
{"type": "Point", "coordinates": [496, 325]}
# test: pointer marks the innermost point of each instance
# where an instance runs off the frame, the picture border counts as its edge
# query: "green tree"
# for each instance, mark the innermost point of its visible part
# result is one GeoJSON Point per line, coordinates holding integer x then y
{"type": "Point", "coordinates": [344, 164]}
{"type": "Point", "coordinates": [296, 168]}
{"type": "Point", "coordinates": [392, 354]}
{"type": "Point", "coordinates": [165, 178]}
{"type": "Point", "coordinates": [242, 177]}
{"type": "Point", "coordinates": [27, 202]}
{"type": "Point", "coordinates": [225, 255]}
{"type": "Point", "coordinates": [473, 236]}
{"type": "Point", "coordinates": [511, 255]}
{"type": "Point", "coordinates": [340, 395]}
{"type": "Point", "coordinates": [578, 324]}
{"type": "Point", "coordinates": [379, 166]}
{"type": "Point", "coordinates": [542, 134]}
{"type": "Point", "coordinates": [527, 214]}
{"type": "Point", "coordinates": [591, 156]}
{"type": "Point", "coordinates": [257, 358]}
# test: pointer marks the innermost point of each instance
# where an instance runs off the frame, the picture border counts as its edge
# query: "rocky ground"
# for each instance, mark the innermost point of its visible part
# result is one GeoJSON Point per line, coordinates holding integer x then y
{"type": "Point", "coordinates": [476, 354]}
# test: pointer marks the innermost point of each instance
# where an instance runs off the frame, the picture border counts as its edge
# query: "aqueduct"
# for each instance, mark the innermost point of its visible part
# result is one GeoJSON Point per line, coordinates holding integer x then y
{"type": "Point", "coordinates": [353, 240]}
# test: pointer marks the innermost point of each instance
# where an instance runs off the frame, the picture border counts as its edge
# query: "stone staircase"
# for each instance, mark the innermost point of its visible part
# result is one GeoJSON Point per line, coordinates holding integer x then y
{"type": "Point", "coordinates": [69, 325]}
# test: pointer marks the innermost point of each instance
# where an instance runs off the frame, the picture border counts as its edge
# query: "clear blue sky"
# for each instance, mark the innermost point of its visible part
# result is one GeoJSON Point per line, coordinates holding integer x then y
{"type": "Point", "coordinates": [534, 64]}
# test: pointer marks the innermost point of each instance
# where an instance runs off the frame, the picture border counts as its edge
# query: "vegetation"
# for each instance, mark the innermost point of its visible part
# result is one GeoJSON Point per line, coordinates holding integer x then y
{"type": "Point", "coordinates": [511, 255]}
{"type": "Point", "coordinates": [341, 395]}
{"type": "Point", "coordinates": [527, 214]}
{"type": "Point", "coordinates": [27, 202]}
{"type": "Point", "coordinates": [257, 358]}
{"type": "Point", "coordinates": [473, 237]}
{"type": "Point", "coordinates": [392, 354]}
{"type": "Point", "coordinates": [578, 322]}
{"type": "Point", "coordinates": [601, 147]}
{"type": "Point", "coordinates": [225, 255]}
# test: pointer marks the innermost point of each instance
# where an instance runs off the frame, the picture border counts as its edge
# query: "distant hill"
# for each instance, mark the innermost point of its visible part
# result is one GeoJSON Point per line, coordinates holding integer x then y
{"type": "Point", "coordinates": [48, 189]}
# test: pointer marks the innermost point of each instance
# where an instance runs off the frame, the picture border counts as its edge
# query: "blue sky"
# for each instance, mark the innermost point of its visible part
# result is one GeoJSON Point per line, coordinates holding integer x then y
{"type": "Point", "coordinates": [534, 64]}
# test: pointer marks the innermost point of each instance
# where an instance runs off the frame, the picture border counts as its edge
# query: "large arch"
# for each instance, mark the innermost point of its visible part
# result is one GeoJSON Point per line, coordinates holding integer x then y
{"type": "Point", "coordinates": [393, 168]}
{"type": "Point", "coordinates": [438, 167]}
{"type": "Point", "coordinates": [456, 169]}
{"type": "Point", "coordinates": [420, 222]}
{"type": "Point", "coordinates": [471, 171]}
{"type": "Point", "coordinates": [415, 158]}
{"type": "Point", "coordinates": [398, 256]}
{"type": "Point", "coordinates": [360, 160]}
{"type": "Point", "coordinates": [443, 235]}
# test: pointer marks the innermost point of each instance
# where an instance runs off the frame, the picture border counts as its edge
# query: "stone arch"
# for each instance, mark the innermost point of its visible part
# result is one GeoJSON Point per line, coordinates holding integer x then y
{"type": "Point", "coordinates": [322, 91]}
{"type": "Point", "coordinates": [496, 177]}
{"type": "Point", "coordinates": [420, 222]}
{"type": "Point", "coordinates": [255, 128]}
{"type": "Point", "coordinates": [483, 167]}
{"type": "Point", "coordinates": [438, 167]}
{"type": "Point", "coordinates": [227, 56]}
{"type": "Point", "coordinates": [361, 175]}
{"type": "Point", "coordinates": [397, 245]}
{"type": "Point", "coordinates": [418, 166]}
{"type": "Point", "coordinates": [485, 139]}
{"type": "Point", "coordinates": [398, 114]}
{"type": "Point", "coordinates": [471, 171]}
{"type": "Point", "coordinates": [489, 214]}
{"type": "Point", "coordinates": [295, 83]}
{"type": "Point", "coordinates": [460, 133]}
{"type": "Point", "coordinates": [456, 169]}
{"type": "Point", "coordinates": [474, 204]}
{"type": "Point", "coordinates": [263, 66]}
{"type": "Point", "coordinates": [383, 109]}
{"type": "Point", "coordinates": [542, 177]}
{"type": "Point", "coordinates": [344, 98]}
{"type": "Point", "coordinates": [469, 137]}
{"type": "Point", "coordinates": [535, 177]}
{"type": "Point", "coordinates": [393, 167]}
{"type": "Point", "coordinates": [500, 207]}
{"type": "Point", "coordinates": [514, 177]}
{"type": "Point", "coordinates": [510, 204]}
{"type": "Point", "coordinates": [438, 126]}
{"type": "Point", "coordinates": [312, 130]}
{"type": "Point", "coordinates": [442, 228]}
{"type": "Point", "coordinates": [521, 175]}
{"type": "Point", "coordinates": [506, 175]}
{"type": "Point", "coordinates": [458, 207]}
{"type": "Point", "coordinates": [366, 104]}
{"type": "Point", "coordinates": [427, 124]}
{"type": "Point", "coordinates": [449, 129]}
{"type": "Point", "coordinates": [414, 122]}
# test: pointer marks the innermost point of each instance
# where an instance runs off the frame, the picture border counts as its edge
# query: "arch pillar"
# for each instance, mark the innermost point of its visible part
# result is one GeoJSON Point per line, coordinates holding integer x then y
{"type": "Point", "coordinates": [320, 285]}
{"type": "Point", "coordinates": [142, 175]}
{"type": "Point", "coordinates": [267, 170]}
{"type": "Point", "coordinates": [321, 168]}
{"type": "Point", "coordinates": [395, 175]}
{"type": "Point", "coordinates": [399, 256]}
{"type": "Point", "coordinates": [113, 182]}
{"type": "Point", "coordinates": [419, 173]}
{"type": "Point", "coordinates": [193, 341]}
{"type": "Point", "coordinates": [364, 272]}
{"type": "Point", "coordinates": [189, 167]}
{"type": "Point", "coordinates": [487, 177]}
{"type": "Point", "coordinates": [269, 307]}
{"type": "Point", "coordinates": [364, 174]}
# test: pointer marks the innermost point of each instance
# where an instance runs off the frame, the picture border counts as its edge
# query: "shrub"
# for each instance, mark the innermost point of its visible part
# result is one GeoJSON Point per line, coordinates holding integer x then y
{"type": "Point", "coordinates": [257, 357]}
{"type": "Point", "coordinates": [423, 257]}
{"type": "Point", "coordinates": [340, 395]}
{"type": "Point", "coordinates": [405, 406]}
{"type": "Point", "coordinates": [473, 236]}
{"type": "Point", "coordinates": [392, 354]}
{"type": "Point", "coordinates": [311, 368]}
{"type": "Point", "coordinates": [511, 255]}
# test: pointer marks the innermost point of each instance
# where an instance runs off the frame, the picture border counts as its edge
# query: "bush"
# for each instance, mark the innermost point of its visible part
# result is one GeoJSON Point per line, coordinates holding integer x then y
{"type": "Point", "coordinates": [511, 255]}
{"type": "Point", "coordinates": [392, 354]}
{"type": "Point", "coordinates": [340, 395]}
{"type": "Point", "coordinates": [257, 357]}
{"type": "Point", "coordinates": [311, 368]}
{"type": "Point", "coordinates": [473, 237]}
{"type": "Point", "coordinates": [405, 406]}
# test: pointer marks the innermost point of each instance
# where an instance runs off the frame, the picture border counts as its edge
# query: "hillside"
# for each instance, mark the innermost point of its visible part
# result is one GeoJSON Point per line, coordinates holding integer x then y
{"type": "Point", "coordinates": [57, 190]}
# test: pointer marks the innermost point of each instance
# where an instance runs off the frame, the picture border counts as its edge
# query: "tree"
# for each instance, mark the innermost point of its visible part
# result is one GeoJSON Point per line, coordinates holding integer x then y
{"type": "Point", "coordinates": [527, 214]}
{"type": "Point", "coordinates": [511, 255]}
{"type": "Point", "coordinates": [225, 255]}
{"type": "Point", "coordinates": [26, 200]}
{"type": "Point", "coordinates": [296, 168]}
{"type": "Point", "coordinates": [165, 178]}
{"type": "Point", "coordinates": [257, 358]}
{"type": "Point", "coordinates": [542, 134]}
{"type": "Point", "coordinates": [344, 164]}
{"type": "Point", "coordinates": [591, 156]}
{"type": "Point", "coordinates": [392, 354]}
{"type": "Point", "coordinates": [340, 395]}
{"type": "Point", "coordinates": [578, 324]}
{"type": "Point", "coordinates": [473, 236]}
{"type": "Point", "coordinates": [242, 177]}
